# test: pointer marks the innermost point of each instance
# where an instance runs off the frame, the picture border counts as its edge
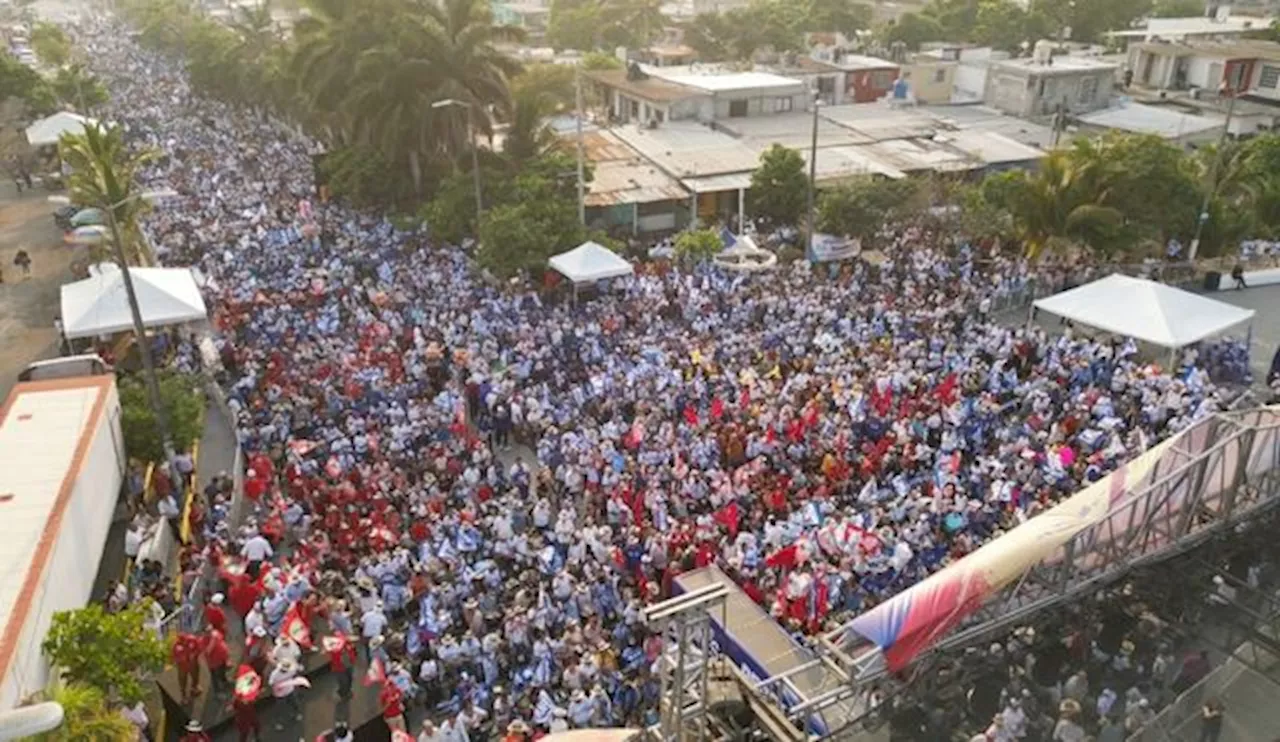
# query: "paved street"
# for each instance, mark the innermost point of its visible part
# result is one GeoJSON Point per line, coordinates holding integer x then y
{"type": "Point", "coordinates": [1266, 324]}
{"type": "Point", "coordinates": [28, 307]}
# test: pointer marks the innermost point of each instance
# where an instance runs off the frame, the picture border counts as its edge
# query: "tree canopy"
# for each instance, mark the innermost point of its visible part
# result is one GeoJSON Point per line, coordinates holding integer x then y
{"type": "Point", "coordinates": [114, 653]}
{"type": "Point", "coordinates": [368, 76]}
{"type": "Point", "coordinates": [779, 186]}
{"type": "Point", "coordinates": [184, 410]}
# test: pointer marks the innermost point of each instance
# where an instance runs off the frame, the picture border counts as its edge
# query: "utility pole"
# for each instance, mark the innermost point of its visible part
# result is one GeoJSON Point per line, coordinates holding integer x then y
{"type": "Point", "coordinates": [582, 183]}
{"type": "Point", "coordinates": [813, 177]}
{"type": "Point", "coordinates": [1203, 216]}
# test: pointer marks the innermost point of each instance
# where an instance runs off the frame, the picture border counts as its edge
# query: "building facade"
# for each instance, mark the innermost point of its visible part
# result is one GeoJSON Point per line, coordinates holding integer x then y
{"type": "Point", "coordinates": [1042, 85]}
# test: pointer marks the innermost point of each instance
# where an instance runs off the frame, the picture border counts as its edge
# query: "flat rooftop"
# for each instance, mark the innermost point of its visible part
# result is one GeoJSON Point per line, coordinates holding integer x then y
{"type": "Point", "coordinates": [45, 430]}
{"type": "Point", "coordinates": [863, 62]}
{"type": "Point", "coordinates": [1059, 63]}
{"type": "Point", "coordinates": [720, 82]}
{"type": "Point", "coordinates": [1244, 49]}
{"type": "Point", "coordinates": [650, 88]}
{"type": "Point", "coordinates": [1139, 118]}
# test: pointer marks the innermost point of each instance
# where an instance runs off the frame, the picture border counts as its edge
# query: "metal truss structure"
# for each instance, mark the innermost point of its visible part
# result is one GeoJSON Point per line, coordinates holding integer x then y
{"type": "Point", "coordinates": [1216, 478]}
{"type": "Point", "coordinates": [684, 667]}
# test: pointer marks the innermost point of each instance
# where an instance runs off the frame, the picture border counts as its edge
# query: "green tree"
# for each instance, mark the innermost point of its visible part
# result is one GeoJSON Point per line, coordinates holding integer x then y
{"type": "Point", "coordinates": [553, 84]}
{"type": "Point", "coordinates": [529, 136]}
{"type": "Point", "coordinates": [104, 174]}
{"type": "Point", "coordinates": [76, 87]}
{"type": "Point", "coordinates": [861, 206]}
{"type": "Point", "coordinates": [113, 653]}
{"type": "Point", "coordinates": [184, 406]}
{"type": "Point", "coordinates": [51, 45]}
{"type": "Point", "coordinates": [698, 245]}
{"type": "Point", "coordinates": [20, 83]}
{"type": "Point", "coordinates": [535, 219]}
{"type": "Point", "coordinates": [914, 29]}
{"type": "Point", "coordinates": [599, 61]}
{"type": "Point", "coordinates": [1177, 9]}
{"type": "Point", "coordinates": [710, 35]}
{"type": "Point", "coordinates": [86, 716]}
{"type": "Point", "coordinates": [362, 177]}
{"type": "Point", "coordinates": [779, 186]}
{"type": "Point", "coordinates": [844, 16]}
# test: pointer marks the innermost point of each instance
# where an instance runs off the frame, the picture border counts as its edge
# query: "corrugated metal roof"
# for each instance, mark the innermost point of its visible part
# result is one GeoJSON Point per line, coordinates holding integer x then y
{"type": "Point", "coordinates": [602, 146]}
{"type": "Point", "coordinates": [791, 130]}
{"type": "Point", "coordinates": [690, 150]}
{"type": "Point", "coordinates": [841, 163]}
{"type": "Point", "coordinates": [913, 155]}
{"type": "Point", "coordinates": [631, 181]}
{"type": "Point", "coordinates": [878, 122]}
{"type": "Point", "coordinates": [991, 147]}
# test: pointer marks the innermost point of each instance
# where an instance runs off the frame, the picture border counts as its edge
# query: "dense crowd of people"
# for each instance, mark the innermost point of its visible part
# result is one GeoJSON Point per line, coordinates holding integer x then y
{"type": "Point", "coordinates": [466, 494]}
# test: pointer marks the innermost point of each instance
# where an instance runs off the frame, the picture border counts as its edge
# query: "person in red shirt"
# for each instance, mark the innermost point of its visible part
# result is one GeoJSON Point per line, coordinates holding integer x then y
{"type": "Point", "coordinates": [216, 656]}
{"type": "Point", "coordinates": [214, 615]}
{"type": "Point", "coordinates": [342, 661]}
{"type": "Point", "coordinates": [195, 733]}
{"type": "Point", "coordinates": [245, 713]}
{"type": "Point", "coordinates": [186, 657]}
{"type": "Point", "coordinates": [392, 702]}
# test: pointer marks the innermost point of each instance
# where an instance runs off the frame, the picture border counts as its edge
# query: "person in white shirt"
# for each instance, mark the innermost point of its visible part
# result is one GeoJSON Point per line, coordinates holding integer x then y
{"type": "Point", "coordinates": [133, 539]}
{"type": "Point", "coordinates": [168, 509]}
{"type": "Point", "coordinates": [257, 550]}
{"type": "Point", "coordinates": [372, 624]}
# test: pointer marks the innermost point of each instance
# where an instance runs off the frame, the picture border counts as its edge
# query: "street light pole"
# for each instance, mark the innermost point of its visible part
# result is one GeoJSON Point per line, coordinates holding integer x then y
{"type": "Point", "coordinates": [813, 177]}
{"type": "Point", "coordinates": [144, 349]}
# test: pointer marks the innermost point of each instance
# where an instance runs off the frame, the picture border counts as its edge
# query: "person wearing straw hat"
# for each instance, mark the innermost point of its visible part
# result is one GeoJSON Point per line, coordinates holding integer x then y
{"type": "Point", "coordinates": [195, 733]}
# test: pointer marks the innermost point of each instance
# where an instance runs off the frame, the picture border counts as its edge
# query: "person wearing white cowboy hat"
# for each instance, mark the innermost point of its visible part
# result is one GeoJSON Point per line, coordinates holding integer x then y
{"type": "Point", "coordinates": [195, 733]}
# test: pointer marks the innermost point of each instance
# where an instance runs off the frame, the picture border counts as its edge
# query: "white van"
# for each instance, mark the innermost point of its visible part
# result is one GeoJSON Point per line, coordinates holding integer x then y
{"type": "Point", "coordinates": [68, 367]}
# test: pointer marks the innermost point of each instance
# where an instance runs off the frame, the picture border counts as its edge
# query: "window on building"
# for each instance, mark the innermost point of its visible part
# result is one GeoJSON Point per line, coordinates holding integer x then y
{"type": "Point", "coordinates": [737, 108]}
{"type": "Point", "coordinates": [1269, 77]}
{"type": "Point", "coordinates": [882, 79]}
{"type": "Point", "coordinates": [783, 104]}
{"type": "Point", "coordinates": [1088, 89]}
{"type": "Point", "coordinates": [940, 74]}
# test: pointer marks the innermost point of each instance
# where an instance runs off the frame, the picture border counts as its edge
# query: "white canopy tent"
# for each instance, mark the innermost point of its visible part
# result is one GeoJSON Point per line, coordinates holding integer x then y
{"type": "Point", "coordinates": [1145, 310]}
{"type": "Point", "coordinates": [50, 129]}
{"type": "Point", "coordinates": [99, 305]}
{"type": "Point", "coordinates": [590, 262]}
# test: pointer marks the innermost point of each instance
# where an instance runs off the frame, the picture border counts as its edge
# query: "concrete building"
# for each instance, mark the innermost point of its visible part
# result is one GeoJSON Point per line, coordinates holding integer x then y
{"type": "Point", "coordinates": [931, 75]}
{"type": "Point", "coordinates": [1039, 85]}
{"type": "Point", "coordinates": [824, 79]}
{"type": "Point", "coordinates": [1222, 26]}
{"type": "Point", "coordinates": [1249, 67]}
{"type": "Point", "coordinates": [654, 95]}
{"type": "Point", "coordinates": [867, 79]}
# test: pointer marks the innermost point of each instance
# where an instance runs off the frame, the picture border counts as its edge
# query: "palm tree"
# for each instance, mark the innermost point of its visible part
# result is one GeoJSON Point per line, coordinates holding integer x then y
{"type": "Point", "coordinates": [528, 136]}
{"type": "Point", "coordinates": [86, 716]}
{"type": "Point", "coordinates": [104, 174]}
{"type": "Point", "coordinates": [1066, 200]}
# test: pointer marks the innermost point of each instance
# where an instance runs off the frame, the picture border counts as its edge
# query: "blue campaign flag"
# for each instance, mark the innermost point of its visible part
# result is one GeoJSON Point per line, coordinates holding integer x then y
{"type": "Point", "coordinates": [728, 237]}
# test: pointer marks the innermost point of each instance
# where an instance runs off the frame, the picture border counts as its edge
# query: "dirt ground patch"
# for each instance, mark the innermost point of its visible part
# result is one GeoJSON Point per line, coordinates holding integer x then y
{"type": "Point", "coordinates": [28, 307]}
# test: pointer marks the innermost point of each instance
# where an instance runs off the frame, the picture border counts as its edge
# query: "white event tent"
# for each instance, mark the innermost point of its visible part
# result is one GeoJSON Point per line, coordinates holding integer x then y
{"type": "Point", "coordinates": [1145, 310]}
{"type": "Point", "coordinates": [50, 129]}
{"type": "Point", "coordinates": [99, 305]}
{"type": "Point", "coordinates": [590, 262]}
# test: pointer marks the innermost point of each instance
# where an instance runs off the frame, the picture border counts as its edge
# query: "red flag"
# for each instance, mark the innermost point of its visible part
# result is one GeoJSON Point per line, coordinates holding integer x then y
{"type": "Point", "coordinates": [376, 673]}
{"type": "Point", "coordinates": [295, 627]}
{"type": "Point", "coordinates": [717, 408]}
{"type": "Point", "coordinates": [785, 557]}
{"type": "Point", "coordinates": [248, 684]}
{"type": "Point", "coordinates": [690, 415]}
{"type": "Point", "coordinates": [729, 517]}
